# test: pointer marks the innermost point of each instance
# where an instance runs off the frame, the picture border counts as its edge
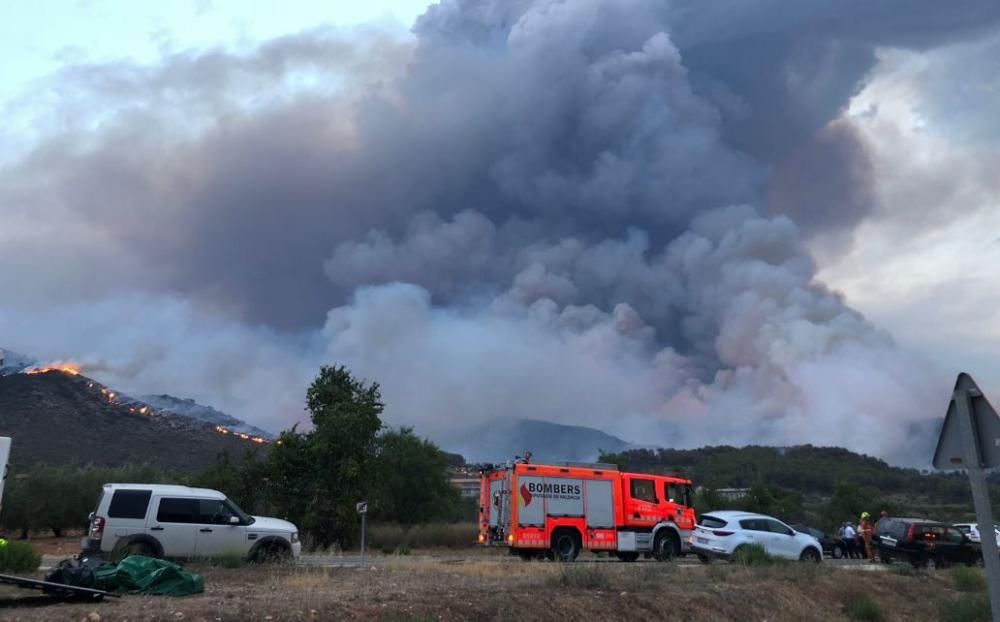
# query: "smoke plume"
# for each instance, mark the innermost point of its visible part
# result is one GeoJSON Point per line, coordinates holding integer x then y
{"type": "Point", "coordinates": [588, 212]}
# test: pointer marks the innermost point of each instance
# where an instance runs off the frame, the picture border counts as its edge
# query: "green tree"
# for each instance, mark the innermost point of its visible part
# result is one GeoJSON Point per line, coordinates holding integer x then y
{"type": "Point", "coordinates": [849, 501]}
{"type": "Point", "coordinates": [316, 477]}
{"type": "Point", "coordinates": [412, 481]}
{"type": "Point", "coordinates": [617, 459]}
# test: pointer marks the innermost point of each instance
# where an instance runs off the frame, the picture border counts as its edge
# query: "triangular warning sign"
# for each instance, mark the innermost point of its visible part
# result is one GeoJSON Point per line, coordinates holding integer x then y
{"type": "Point", "coordinates": [979, 443]}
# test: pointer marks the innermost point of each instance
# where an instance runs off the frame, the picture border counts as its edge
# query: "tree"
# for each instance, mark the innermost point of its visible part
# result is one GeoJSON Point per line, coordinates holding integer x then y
{"type": "Point", "coordinates": [317, 477]}
{"type": "Point", "coordinates": [617, 459]}
{"type": "Point", "coordinates": [412, 480]}
{"type": "Point", "coordinates": [849, 501]}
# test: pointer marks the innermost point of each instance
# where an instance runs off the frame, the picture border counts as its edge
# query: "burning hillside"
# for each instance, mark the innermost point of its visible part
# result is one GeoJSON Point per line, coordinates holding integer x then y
{"type": "Point", "coordinates": [59, 416]}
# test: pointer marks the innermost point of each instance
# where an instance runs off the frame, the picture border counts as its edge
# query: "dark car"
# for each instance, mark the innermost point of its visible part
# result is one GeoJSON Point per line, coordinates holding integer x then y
{"type": "Point", "coordinates": [923, 542]}
{"type": "Point", "coordinates": [832, 547]}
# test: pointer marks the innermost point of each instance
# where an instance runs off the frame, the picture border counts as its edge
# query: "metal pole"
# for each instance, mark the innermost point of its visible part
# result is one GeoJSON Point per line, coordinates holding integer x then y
{"type": "Point", "coordinates": [364, 529]}
{"type": "Point", "coordinates": [980, 499]}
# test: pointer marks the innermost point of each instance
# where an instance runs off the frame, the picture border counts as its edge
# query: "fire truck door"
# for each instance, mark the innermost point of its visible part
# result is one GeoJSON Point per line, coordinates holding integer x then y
{"type": "Point", "coordinates": [600, 504]}
{"type": "Point", "coordinates": [496, 488]}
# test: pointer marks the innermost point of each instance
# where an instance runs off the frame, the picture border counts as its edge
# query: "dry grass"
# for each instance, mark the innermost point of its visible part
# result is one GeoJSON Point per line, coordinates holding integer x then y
{"type": "Point", "coordinates": [393, 538]}
{"type": "Point", "coordinates": [502, 588]}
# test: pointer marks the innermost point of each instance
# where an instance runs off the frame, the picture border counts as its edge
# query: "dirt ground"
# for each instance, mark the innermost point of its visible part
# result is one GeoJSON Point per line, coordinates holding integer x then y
{"type": "Point", "coordinates": [487, 588]}
{"type": "Point", "coordinates": [66, 546]}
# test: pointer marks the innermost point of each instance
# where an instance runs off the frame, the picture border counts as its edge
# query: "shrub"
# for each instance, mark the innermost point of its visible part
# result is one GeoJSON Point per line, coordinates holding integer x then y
{"type": "Point", "coordinates": [752, 555]}
{"type": "Point", "coordinates": [583, 576]}
{"type": "Point", "coordinates": [903, 569]}
{"type": "Point", "coordinates": [865, 609]}
{"type": "Point", "coordinates": [968, 579]}
{"type": "Point", "coordinates": [966, 608]}
{"type": "Point", "coordinates": [19, 557]}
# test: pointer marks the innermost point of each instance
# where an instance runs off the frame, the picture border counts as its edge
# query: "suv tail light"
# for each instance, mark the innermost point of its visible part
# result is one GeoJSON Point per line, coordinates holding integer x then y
{"type": "Point", "coordinates": [97, 528]}
{"type": "Point", "coordinates": [911, 533]}
{"type": "Point", "coordinates": [720, 532]}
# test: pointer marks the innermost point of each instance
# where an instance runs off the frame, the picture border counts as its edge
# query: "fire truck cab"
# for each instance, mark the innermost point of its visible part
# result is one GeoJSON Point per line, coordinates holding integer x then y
{"type": "Point", "coordinates": [556, 511]}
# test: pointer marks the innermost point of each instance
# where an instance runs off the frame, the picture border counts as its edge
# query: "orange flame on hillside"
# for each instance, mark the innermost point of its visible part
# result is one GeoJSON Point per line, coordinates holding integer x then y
{"type": "Point", "coordinates": [67, 368]}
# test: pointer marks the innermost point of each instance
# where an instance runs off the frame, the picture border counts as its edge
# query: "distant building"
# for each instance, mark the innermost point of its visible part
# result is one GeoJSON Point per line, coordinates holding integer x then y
{"type": "Point", "coordinates": [732, 494]}
{"type": "Point", "coordinates": [467, 486]}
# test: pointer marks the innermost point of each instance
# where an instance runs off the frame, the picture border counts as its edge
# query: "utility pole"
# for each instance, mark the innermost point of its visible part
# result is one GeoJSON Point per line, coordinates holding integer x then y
{"type": "Point", "coordinates": [362, 508]}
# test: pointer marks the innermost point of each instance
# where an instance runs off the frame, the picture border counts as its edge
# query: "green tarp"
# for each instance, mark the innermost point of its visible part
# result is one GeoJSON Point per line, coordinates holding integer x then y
{"type": "Point", "coordinates": [145, 575]}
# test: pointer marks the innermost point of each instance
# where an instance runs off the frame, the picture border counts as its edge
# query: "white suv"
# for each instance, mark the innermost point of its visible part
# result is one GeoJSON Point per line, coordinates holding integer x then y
{"type": "Point", "coordinates": [181, 522]}
{"type": "Point", "coordinates": [721, 534]}
{"type": "Point", "coordinates": [971, 530]}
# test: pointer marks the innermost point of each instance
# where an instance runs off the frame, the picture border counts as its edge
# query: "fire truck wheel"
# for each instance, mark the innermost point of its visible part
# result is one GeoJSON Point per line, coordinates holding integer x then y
{"type": "Point", "coordinates": [565, 545]}
{"type": "Point", "coordinates": [665, 547]}
{"type": "Point", "coordinates": [628, 557]}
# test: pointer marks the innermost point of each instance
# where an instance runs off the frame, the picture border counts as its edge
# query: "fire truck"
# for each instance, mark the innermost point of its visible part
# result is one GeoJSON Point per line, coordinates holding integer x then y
{"type": "Point", "coordinates": [555, 511]}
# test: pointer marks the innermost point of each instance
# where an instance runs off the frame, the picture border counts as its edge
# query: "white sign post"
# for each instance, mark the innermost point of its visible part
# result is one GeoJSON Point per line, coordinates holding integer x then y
{"type": "Point", "coordinates": [970, 440]}
{"type": "Point", "coordinates": [362, 508]}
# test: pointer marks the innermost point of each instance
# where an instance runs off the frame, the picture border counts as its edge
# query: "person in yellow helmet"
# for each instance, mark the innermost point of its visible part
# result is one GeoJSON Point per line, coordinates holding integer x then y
{"type": "Point", "coordinates": [866, 534]}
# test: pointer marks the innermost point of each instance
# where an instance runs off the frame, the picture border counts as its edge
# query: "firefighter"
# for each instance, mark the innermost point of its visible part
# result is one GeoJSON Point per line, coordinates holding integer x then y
{"type": "Point", "coordinates": [866, 534]}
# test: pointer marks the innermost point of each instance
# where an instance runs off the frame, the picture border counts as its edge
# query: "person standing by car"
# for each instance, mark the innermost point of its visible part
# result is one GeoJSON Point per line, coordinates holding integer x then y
{"type": "Point", "coordinates": [848, 538]}
{"type": "Point", "coordinates": [866, 534]}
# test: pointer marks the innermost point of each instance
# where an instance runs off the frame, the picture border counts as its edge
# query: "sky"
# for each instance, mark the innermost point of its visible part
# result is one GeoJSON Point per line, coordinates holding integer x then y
{"type": "Point", "coordinates": [682, 222]}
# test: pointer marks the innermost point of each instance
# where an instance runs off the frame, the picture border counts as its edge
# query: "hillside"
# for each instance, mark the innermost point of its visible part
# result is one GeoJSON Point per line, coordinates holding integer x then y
{"type": "Point", "coordinates": [502, 440]}
{"type": "Point", "coordinates": [194, 410]}
{"type": "Point", "coordinates": [60, 418]}
{"type": "Point", "coordinates": [815, 473]}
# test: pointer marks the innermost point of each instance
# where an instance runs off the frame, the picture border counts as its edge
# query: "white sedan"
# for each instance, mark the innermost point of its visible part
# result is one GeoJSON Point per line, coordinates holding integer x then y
{"type": "Point", "coordinates": [721, 534]}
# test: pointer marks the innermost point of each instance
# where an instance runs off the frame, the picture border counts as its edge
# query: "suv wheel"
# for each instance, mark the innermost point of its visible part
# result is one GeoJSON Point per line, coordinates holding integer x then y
{"type": "Point", "coordinates": [810, 555]}
{"type": "Point", "coordinates": [270, 553]}
{"type": "Point", "coordinates": [134, 548]}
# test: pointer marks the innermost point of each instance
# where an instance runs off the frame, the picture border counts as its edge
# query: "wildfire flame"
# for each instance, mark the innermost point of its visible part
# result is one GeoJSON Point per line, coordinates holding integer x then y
{"type": "Point", "coordinates": [245, 437]}
{"type": "Point", "coordinates": [67, 368]}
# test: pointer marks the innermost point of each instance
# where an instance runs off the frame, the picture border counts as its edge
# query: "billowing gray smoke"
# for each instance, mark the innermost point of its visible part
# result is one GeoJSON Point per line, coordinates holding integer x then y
{"type": "Point", "coordinates": [590, 212]}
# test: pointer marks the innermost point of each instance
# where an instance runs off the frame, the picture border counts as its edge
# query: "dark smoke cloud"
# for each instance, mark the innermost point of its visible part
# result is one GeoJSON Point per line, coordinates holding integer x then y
{"type": "Point", "coordinates": [545, 209]}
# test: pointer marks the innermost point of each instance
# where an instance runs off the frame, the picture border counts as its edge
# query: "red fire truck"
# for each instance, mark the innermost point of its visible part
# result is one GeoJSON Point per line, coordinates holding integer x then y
{"type": "Point", "coordinates": [556, 511]}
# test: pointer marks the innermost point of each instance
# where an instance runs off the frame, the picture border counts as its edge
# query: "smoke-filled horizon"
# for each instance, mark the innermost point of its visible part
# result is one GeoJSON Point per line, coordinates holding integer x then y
{"type": "Point", "coordinates": [593, 213]}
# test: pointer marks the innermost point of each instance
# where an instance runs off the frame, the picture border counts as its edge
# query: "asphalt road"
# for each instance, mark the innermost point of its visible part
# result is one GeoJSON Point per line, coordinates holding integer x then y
{"type": "Point", "coordinates": [354, 561]}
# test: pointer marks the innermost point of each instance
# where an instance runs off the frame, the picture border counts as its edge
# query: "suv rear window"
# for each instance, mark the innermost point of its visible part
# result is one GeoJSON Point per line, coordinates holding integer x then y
{"type": "Point", "coordinates": [173, 510]}
{"type": "Point", "coordinates": [712, 522]}
{"type": "Point", "coordinates": [129, 504]}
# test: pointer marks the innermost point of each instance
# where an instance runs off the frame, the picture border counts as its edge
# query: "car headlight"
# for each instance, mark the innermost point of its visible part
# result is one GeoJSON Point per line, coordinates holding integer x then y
{"type": "Point", "coordinates": [295, 537]}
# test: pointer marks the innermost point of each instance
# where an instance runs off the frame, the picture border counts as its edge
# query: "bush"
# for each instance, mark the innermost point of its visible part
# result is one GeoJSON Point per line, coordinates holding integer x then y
{"type": "Point", "coordinates": [968, 579]}
{"type": "Point", "coordinates": [966, 608]}
{"type": "Point", "coordinates": [865, 609]}
{"type": "Point", "coordinates": [903, 569]}
{"type": "Point", "coordinates": [58, 498]}
{"type": "Point", "coordinates": [752, 555]}
{"type": "Point", "coordinates": [582, 576]}
{"type": "Point", "coordinates": [19, 557]}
